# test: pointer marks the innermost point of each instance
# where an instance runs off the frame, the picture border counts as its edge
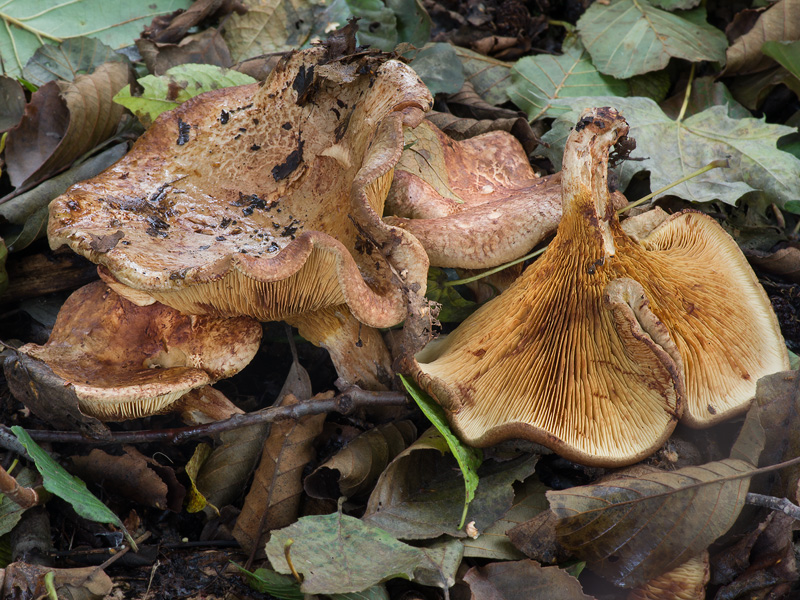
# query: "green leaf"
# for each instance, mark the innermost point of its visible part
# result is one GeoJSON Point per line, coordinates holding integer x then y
{"type": "Point", "coordinates": [455, 308]}
{"type": "Point", "coordinates": [269, 582]}
{"type": "Point", "coordinates": [376, 592]}
{"type": "Point", "coordinates": [413, 21]}
{"type": "Point", "coordinates": [35, 228]}
{"type": "Point", "coordinates": [28, 24]}
{"type": "Point", "coordinates": [338, 554]}
{"type": "Point", "coordinates": [67, 60]}
{"type": "Point", "coordinates": [631, 37]}
{"type": "Point", "coordinates": [792, 206]}
{"type": "Point", "coordinates": [439, 67]}
{"type": "Point", "coordinates": [536, 80]}
{"type": "Point", "coordinates": [673, 149]}
{"type": "Point", "coordinates": [59, 482]}
{"type": "Point", "coordinates": [187, 80]}
{"type": "Point", "coordinates": [786, 53]}
{"type": "Point", "coordinates": [469, 459]}
{"type": "Point", "coordinates": [490, 77]}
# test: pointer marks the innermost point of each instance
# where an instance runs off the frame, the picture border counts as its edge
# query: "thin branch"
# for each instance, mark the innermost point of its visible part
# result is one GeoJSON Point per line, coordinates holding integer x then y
{"type": "Point", "coordinates": [23, 496]}
{"type": "Point", "coordinates": [778, 504]}
{"type": "Point", "coordinates": [351, 398]}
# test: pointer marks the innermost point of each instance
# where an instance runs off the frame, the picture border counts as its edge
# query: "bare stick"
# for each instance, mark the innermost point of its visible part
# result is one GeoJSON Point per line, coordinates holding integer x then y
{"type": "Point", "coordinates": [24, 496]}
{"type": "Point", "coordinates": [778, 504]}
{"type": "Point", "coordinates": [351, 398]}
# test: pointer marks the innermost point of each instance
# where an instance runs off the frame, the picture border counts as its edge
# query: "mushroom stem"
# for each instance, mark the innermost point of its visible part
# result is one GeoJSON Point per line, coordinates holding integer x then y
{"type": "Point", "coordinates": [357, 351]}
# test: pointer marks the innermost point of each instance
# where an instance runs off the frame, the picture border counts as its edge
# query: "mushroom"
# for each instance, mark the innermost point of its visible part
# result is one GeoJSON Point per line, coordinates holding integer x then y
{"type": "Point", "coordinates": [265, 201]}
{"type": "Point", "coordinates": [601, 345]}
{"type": "Point", "coordinates": [687, 581]}
{"type": "Point", "coordinates": [125, 361]}
{"type": "Point", "coordinates": [474, 203]}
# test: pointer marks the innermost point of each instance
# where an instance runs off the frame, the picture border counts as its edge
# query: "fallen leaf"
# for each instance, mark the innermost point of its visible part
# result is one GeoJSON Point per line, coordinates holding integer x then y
{"type": "Point", "coordinates": [419, 495]}
{"type": "Point", "coordinates": [46, 394]}
{"type": "Point", "coordinates": [490, 77]}
{"type": "Point", "coordinates": [494, 542]}
{"type": "Point", "coordinates": [705, 93]}
{"type": "Point", "coordinates": [133, 476]}
{"type": "Point", "coordinates": [439, 67]}
{"type": "Point", "coordinates": [114, 24]}
{"type": "Point", "coordinates": [12, 103]}
{"type": "Point", "coordinates": [269, 582]}
{"type": "Point", "coordinates": [207, 47]}
{"type": "Point", "coordinates": [631, 37]}
{"type": "Point", "coordinates": [172, 28]}
{"type": "Point", "coordinates": [786, 53]}
{"type": "Point", "coordinates": [67, 60]}
{"type": "Point", "coordinates": [355, 469]}
{"type": "Point", "coordinates": [504, 580]}
{"type": "Point", "coordinates": [632, 529]}
{"type": "Point", "coordinates": [59, 482]}
{"type": "Point", "coordinates": [777, 23]}
{"type": "Point", "coordinates": [10, 511]}
{"type": "Point", "coordinates": [196, 501]}
{"type": "Point", "coordinates": [63, 121]}
{"type": "Point", "coordinates": [175, 87]}
{"type": "Point", "coordinates": [674, 149]}
{"type": "Point", "coordinates": [275, 494]}
{"type": "Point", "coordinates": [24, 580]}
{"type": "Point", "coordinates": [340, 554]}
{"type": "Point", "coordinates": [537, 539]}
{"type": "Point", "coordinates": [536, 80]}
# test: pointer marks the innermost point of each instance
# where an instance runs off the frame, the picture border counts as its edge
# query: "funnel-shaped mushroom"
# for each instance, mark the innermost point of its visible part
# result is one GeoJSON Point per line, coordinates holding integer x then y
{"type": "Point", "coordinates": [474, 203]}
{"type": "Point", "coordinates": [263, 200]}
{"type": "Point", "coordinates": [600, 345]}
{"type": "Point", "coordinates": [124, 361]}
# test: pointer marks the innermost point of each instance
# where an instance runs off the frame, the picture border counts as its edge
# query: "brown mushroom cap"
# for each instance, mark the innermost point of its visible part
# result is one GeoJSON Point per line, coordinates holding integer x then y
{"type": "Point", "coordinates": [262, 200]}
{"type": "Point", "coordinates": [126, 361]}
{"type": "Point", "coordinates": [592, 350]}
{"type": "Point", "coordinates": [474, 203]}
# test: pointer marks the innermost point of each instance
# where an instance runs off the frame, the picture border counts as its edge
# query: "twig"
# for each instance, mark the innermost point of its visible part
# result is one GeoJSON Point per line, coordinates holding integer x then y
{"type": "Point", "coordinates": [351, 398]}
{"type": "Point", "coordinates": [24, 496]}
{"type": "Point", "coordinates": [783, 505]}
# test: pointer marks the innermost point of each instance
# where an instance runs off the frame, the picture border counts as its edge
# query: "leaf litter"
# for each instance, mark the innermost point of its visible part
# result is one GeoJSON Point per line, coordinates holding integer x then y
{"type": "Point", "coordinates": [701, 119]}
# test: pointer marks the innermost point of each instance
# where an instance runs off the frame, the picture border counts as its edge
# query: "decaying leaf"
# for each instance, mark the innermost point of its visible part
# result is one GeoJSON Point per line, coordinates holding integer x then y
{"type": "Point", "coordinates": [494, 542]}
{"type": "Point", "coordinates": [25, 580]}
{"type": "Point", "coordinates": [225, 473]}
{"type": "Point", "coordinates": [505, 580]}
{"type": "Point", "coordinates": [133, 476]}
{"type": "Point", "coordinates": [631, 37]}
{"type": "Point", "coordinates": [12, 101]}
{"type": "Point", "coordinates": [439, 67]}
{"type": "Point", "coordinates": [275, 494]}
{"type": "Point", "coordinates": [674, 149]}
{"type": "Point", "coordinates": [777, 23]}
{"type": "Point", "coordinates": [354, 469]}
{"type": "Point", "coordinates": [784, 262]}
{"type": "Point", "coordinates": [67, 60]}
{"type": "Point", "coordinates": [632, 529]}
{"type": "Point", "coordinates": [340, 554]}
{"type": "Point", "coordinates": [489, 77]}
{"type": "Point", "coordinates": [420, 494]}
{"type": "Point", "coordinates": [207, 47]}
{"type": "Point", "coordinates": [63, 121]}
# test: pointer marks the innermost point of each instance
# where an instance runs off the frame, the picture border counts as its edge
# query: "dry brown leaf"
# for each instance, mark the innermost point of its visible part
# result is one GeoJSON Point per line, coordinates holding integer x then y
{"type": "Point", "coordinates": [505, 580]}
{"type": "Point", "coordinates": [274, 497]}
{"type": "Point", "coordinates": [25, 580]}
{"type": "Point", "coordinates": [537, 538]}
{"type": "Point", "coordinates": [784, 263]}
{"type": "Point", "coordinates": [778, 23]}
{"type": "Point", "coordinates": [224, 474]}
{"type": "Point", "coordinates": [632, 529]}
{"type": "Point", "coordinates": [132, 476]}
{"type": "Point", "coordinates": [63, 121]}
{"type": "Point", "coordinates": [207, 47]}
{"type": "Point", "coordinates": [172, 27]}
{"type": "Point", "coordinates": [355, 469]}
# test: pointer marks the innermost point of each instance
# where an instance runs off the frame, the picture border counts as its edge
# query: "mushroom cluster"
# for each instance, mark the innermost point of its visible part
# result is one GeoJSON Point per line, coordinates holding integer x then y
{"type": "Point", "coordinates": [264, 201]}
{"type": "Point", "coordinates": [605, 342]}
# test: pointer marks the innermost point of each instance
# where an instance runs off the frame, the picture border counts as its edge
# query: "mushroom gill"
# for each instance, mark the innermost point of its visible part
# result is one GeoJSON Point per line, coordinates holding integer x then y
{"type": "Point", "coordinates": [602, 344]}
